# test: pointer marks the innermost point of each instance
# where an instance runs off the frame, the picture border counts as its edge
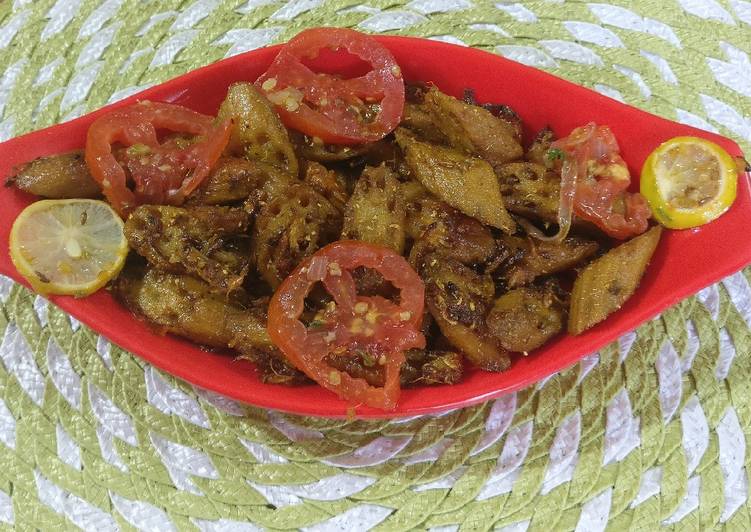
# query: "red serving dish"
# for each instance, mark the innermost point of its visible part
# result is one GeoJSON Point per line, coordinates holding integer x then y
{"type": "Point", "coordinates": [685, 261]}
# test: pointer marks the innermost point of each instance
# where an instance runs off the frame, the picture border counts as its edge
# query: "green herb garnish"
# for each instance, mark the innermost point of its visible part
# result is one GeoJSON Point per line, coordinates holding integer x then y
{"type": "Point", "coordinates": [316, 324]}
{"type": "Point", "coordinates": [555, 154]}
{"type": "Point", "coordinates": [368, 360]}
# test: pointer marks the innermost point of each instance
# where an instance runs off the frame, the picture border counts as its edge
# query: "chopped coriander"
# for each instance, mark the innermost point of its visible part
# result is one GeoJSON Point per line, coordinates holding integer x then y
{"type": "Point", "coordinates": [368, 360]}
{"type": "Point", "coordinates": [555, 154]}
{"type": "Point", "coordinates": [316, 324]}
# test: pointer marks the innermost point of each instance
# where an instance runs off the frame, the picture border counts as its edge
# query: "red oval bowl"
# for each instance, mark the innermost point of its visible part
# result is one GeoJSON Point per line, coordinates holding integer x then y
{"type": "Point", "coordinates": [685, 261]}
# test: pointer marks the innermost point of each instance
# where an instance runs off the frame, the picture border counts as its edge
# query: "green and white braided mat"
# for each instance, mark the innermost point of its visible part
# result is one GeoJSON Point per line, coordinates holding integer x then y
{"type": "Point", "coordinates": [650, 432]}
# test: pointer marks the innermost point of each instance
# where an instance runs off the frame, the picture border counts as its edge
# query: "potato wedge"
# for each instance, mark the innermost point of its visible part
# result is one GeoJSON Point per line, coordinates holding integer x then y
{"type": "Point", "coordinates": [258, 133]}
{"type": "Point", "coordinates": [376, 211]}
{"type": "Point", "coordinates": [473, 129]}
{"type": "Point", "coordinates": [605, 284]}
{"type": "Point", "coordinates": [57, 177]}
{"type": "Point", "coordinates": [464, 182]}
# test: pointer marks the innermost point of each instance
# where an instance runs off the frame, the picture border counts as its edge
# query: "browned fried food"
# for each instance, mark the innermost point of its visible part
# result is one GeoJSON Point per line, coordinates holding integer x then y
{"type": "Point", "coordinates": [458, 299]}
{"type": "Point", "coordinates": [234, 180]}
{"type": "Point", "coordinates": [328, 183]}
{"type": "Point", "coordinates": [185, 306]}
{"type": "Point", "coordinates": [525, 318]}
{"type": "Point", "coordinates": [189, 307]}
{"type": "Point", "coordinates": [418, 118]}
{"type": "Point", "coordinates": [201, 241]}
{"type": "Point", "coordinates": [454, 235]}
{"type": "Point", "coordinates": [531, 258]}
{"type": "Point", "coordinates": [258, 133]}
{"type": "Point", "coordinates": [538, 151]}
{"type": "Point", "coordinates": [465, 182]}
{"type": "Point", "coordinates": [605, 284]}
{"type": "Point", "coordinates": [314, 149]}
{"type": "Point", "coordinates": [57, 177]}
{"type": "Point", "coordinates": [420, 368]}
{"type": "Point", "coordinates": [375, 213]}
{"type": "Point", "coordinates": [473, 129]}
{"type": "Point", "coordinates": [290, 228]}
{"type": "Point", "coordinates": [530, 190]}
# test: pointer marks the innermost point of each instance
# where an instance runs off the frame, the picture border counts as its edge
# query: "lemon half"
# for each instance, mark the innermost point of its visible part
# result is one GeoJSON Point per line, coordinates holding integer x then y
{"type": "Point", "coordinates": [70, 247]}
{"type": "Point", "coordinates": [688, 181]}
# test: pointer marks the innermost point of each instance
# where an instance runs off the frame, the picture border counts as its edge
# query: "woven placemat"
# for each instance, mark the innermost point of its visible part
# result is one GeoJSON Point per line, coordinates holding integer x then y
{"type": "Point", "coordinates": [649, 432]}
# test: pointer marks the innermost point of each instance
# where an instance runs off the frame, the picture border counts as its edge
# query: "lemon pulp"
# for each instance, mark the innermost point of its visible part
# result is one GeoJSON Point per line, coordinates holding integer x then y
{"type": "Point", "coordinates": [688, 182]}
{"type": "Point", "coordinates": [71, 247]}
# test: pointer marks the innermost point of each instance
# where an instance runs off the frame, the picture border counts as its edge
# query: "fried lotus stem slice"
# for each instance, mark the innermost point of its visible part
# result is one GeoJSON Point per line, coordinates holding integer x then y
{"type": "Point", "coordinates": [531, 190]}
{"type": "Point", "coordinates": [525, 318]}
{"type": "Point", "coordinates": [376, 213]}
{"type": "Point", "coordinates": [458, 299]}
{"type": "Point", "coordinates": [465, 182]}
{"type": "Point", "coordinates": [57, 177]}
{"type": "Point", "coordinates": [328, 183]}
{"type": "Point", "coordinates": [531, 258]}
{"type": "Point", "coordinates": [234, 180]}
{"type": "Point", "coordinates": [258, 133]}
{"type": "Point", "coordinates": [606, 283]}
{"type": "Point", "coordinates": [291, 227]}
{"type": "Point", "coordinates": [198, 241]}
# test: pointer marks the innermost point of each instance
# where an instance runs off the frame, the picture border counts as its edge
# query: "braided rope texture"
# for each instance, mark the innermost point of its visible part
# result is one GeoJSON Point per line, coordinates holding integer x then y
{"type": "Point", "coordinates": [650, 432]}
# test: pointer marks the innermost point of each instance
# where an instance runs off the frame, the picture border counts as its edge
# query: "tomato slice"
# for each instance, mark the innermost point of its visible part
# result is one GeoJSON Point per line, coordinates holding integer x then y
{"type": "Point", "coordinates": [338, 111]}
{"type": "Point", "coordinates": [351, 323]}
{"type": "Point", "coordinates": [163, 172]}
{"type": "Point", "coordinates": [593, 169]}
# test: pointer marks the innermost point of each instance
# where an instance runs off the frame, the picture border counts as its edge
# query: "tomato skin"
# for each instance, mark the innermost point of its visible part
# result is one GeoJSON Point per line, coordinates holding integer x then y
{"type": "Point", "coordinates": [324, 106]}
{"type": "Point", "coordinates": [387, 336]}
{"type": "Point", "coordinates": [601, 182]}
{"type": "Point", "coordinates": [160, 176]}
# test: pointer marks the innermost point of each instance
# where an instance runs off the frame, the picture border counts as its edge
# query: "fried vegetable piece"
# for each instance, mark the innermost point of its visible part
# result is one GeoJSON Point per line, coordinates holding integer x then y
{"type": "Point", "coordinates": [418, 118]}
{"type": "Point", "coordinates": [499, 110]}
{"type": "Point", "coordinates": [530, 190]}
{"type": "Point", "coordinates": [258, 133]}
{"type": "Point", "coordinates": [196, 240]}
{"type": "Point", "coordinates": [291, 227]}
{"type": "Point", "coordinates": [421, 367]}
{"type": "Point", "coordinates": [187, 307]}
{"type": "Point", "coordinates": [314, 149]}
{"type": "Point", "coordinates": [458, 299]}
{"type": "Point", "coordinates": [375, 213]}
{"type": "Point", "coordinates": [464, 182]}
{"type": "Point", "coordinates": [272, 367]}
{"type": "Point", "coordinates": [57, 177]}
{"type": "Point", "coordinates": [538, 151]}
{"type": "Point", "coordinates": [233, 180]}
{"type": "Point", "coordinates": [525, 318]}
{"type": "Point", "coordinates": [531, 258]}
{"type": "Point", "coordinates": [454, 235]}
{"type": "Point", "coordinates": [473, 129]}
{"type": "Point", "coordinates": [328, 183]}
{"type": "Point", "coordinates": [605, 284]}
